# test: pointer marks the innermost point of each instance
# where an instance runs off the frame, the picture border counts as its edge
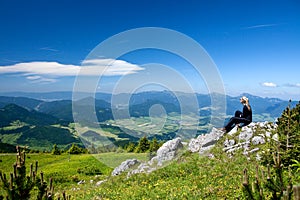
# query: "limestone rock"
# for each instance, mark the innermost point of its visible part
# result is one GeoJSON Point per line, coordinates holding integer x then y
{"type": "Point", "coordinates": [246, 134]}
{"type": "Point", "coordinates": [258, 140]}
{"type": "Point", "coordinates": [167, 151]}
{"type": "Point", "coordinates": [229, 143]}
{"type": "Point", "coordinates": [124, 166]}
{"type": "Point", "coordinates": [205, 141]}
{"type": "Point", "coordinates": [100, 182]}
{"type": "Point", "coordinates": [142, 168]}
{"type": "Point", "coordinates": [195, 145]}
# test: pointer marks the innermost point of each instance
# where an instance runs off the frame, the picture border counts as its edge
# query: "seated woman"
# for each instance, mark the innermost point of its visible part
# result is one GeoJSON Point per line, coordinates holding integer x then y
{"type": "Point", "coordinates": [240, 118]}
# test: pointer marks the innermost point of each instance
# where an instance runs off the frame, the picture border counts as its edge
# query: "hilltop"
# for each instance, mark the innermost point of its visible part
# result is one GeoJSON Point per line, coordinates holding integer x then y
{"type": "Point", "coordinates": [211, 166]}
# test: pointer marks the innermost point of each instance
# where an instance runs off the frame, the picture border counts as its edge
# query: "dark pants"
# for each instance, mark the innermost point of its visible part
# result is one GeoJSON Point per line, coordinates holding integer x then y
{"type": "Point", "coordinates": [237, 119]}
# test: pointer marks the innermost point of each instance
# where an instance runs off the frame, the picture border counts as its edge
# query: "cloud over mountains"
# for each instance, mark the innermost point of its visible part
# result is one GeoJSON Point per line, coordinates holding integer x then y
{"type": "Point", "coordinates": [38, 70]}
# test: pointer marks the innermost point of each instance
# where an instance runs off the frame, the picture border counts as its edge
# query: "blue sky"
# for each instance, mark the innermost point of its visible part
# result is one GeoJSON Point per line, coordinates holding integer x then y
{"type": "Point", "coordinates": [254, 44]}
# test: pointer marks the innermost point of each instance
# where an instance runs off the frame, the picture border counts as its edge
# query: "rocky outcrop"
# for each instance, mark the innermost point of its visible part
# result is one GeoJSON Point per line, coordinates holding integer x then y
{"type": "Point", "coordinates": [166, 152]}
{"type": "Point", "coordinates": [205, 142]}
{"type": "Point", "coordinates": [127, 164]}
{"type": "Point", "coordinates": [247, 138]}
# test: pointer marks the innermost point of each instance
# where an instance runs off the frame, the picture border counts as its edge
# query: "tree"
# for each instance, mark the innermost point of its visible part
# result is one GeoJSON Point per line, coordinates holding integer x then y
{"type": "Point", "coordinates": [55, 150]}
{"type": "Point", "coordinates": [130, 147]}
{"type": "Point", "coordinates": [154, 145]}
{"type": "Point", "coordinates": [143, 145]}
{"type": "Point", "coordinates": [278, 157]}
{"type": "Point", "coordinates": [74, 149]}
{"type": "Point", "coordinates": [289, 134]}
{"type": "Point", "coordinates": [20, 185]}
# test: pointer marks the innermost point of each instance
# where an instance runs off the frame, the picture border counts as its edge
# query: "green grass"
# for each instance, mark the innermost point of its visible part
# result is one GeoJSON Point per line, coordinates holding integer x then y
{"type": "Point", "coordinates": [115, 159]}
{"type": "Point", "coordinates": [190, 177]}
{"type": "Point", "coordinates": [68, 170]}
{"type": "Point", "coordinates": [10, 138]}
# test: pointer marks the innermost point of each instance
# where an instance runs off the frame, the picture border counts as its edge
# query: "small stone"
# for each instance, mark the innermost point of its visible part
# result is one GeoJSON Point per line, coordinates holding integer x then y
{"type": "Point", "coordinates": [100, 182]}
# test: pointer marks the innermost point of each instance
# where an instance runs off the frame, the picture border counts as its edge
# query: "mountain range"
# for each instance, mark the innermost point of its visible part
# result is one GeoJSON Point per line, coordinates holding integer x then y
{"type": "Point", "coordinates": [40, 120]}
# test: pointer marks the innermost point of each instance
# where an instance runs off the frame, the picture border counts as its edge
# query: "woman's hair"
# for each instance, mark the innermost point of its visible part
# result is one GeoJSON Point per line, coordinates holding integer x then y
{"type": "Point", "coordinates": [246, 100]}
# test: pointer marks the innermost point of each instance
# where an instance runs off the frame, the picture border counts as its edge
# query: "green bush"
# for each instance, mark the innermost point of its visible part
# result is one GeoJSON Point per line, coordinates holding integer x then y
{"type": "Point", "coordinates": [19, 186]}
{"type": "Point", "coordinates": [74, 149]}
{"type": "Point", "coordinates": [55, 150]}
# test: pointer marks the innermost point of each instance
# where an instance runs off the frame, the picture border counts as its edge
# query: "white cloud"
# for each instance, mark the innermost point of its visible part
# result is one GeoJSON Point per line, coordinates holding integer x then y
{"type": "Point", "coordinates": [269, 84]}
{"type": "Point", "coordinates": [40, 79]}
{"type": "Point", "coordinates": [33, 77]}
{"type": "Point", "coordinates": [260, 26]}
{"type": "Point", "coordinates": [95, 67]}
{"type": "Point", "coordinates": [297, 85]}
{"type": "Point", "coordinates": [48, 49]}
{"type": "Point", "coordinates": [108, 67]}
{"type": "Point", "coordinates": [41, 68]}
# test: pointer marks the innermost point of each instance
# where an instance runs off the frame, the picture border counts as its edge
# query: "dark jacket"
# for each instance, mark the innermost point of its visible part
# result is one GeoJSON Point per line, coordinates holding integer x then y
{"type": "Point", "coordinates": [247, 114]}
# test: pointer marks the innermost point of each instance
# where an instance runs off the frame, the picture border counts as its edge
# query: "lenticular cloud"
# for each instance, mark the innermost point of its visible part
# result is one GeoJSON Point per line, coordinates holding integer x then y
{"type": "Point", "coordinates": [107, 67]}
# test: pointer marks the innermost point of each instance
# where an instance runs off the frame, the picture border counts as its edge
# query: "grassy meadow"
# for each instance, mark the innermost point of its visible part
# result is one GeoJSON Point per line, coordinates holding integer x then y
{"type": "Point", "coordinates": [67, 170]}
{"type": "Point", "coordinates": [189, 177]}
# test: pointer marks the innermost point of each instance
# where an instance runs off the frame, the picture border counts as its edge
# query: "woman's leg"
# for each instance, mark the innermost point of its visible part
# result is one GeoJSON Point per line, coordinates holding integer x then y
{"type": "Point", "coordinates": [238, 113]}
{"type": "Point", "coordinates": [230, 124]}
{"type": "Point", "coordinates": [234, 121]}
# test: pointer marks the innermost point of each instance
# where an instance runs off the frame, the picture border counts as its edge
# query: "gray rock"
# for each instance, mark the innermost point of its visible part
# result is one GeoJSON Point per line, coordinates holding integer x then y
{"type": "Point", "coordinates": [245, 134]}
{"type": "Point", "coordinates": [100, 182]}
{"type": "Point", "coordinates": [81, 182]}
{"type": "Point", "coordinates": [268, 134]}
{"type": "Point", "coordinates": [167, 151]}
{"type": "Point", "coordinates": [229, 143]}
{"type": "Point", "coordinates": [205, 149]}
{"type": "Point", "coordinates": [236, 147]}
{"type": "Point", "coordinates": [195, 145]}
{"type": "Point", "coordinates": [142, 168]}
{"type": "Point", "coordinates": [204, 142]}
{"type": "Point", "coordinates": [254, 150]}
{"type": "Point", "coordinates": [127, 164]}
{"type": "Point", "coordinates": [247, 140]}
{"type": "Point", "coordinates": [233, 131]}
{"type": "Point", "coordinates": [258, 140]}
{"type": "Point", "coordinates": [275, 137]}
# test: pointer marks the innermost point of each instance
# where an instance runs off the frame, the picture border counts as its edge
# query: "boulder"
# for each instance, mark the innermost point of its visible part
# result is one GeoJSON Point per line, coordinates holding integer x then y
{"type": "Point", "coordinates": [127, 164]}
{"type": "Point", "coordinates": [100, 182]}
{"type": "Point", "coordinates": [167, 151]}
{"type": "Point", "coordinates": [248, 138]}
{"type": "Point", "coordinates": [246, 134]}
{"type": "Point", "coordinates": [229, 143]}
{"type": "Point", "coordinates": [142, 168]}
{"type": "Point", "coordinates": [204, 142]}
{"type": "Point", "coordinates": [258, 140]}
{"type": "Point", "coordinates": [195, 145]}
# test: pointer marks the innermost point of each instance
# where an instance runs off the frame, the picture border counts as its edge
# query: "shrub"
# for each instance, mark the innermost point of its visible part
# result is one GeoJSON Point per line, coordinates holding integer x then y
{"type": "Point", "coordinates": [55, 150]}
{"type": "Point", "coordinates": [19, 186]}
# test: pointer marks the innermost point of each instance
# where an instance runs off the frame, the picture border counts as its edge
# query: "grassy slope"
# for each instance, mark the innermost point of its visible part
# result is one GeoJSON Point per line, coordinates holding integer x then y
{"type": "Point", "coordinates": [191, 177]}
{"type": "Point", "coordinates": [67, 170]}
